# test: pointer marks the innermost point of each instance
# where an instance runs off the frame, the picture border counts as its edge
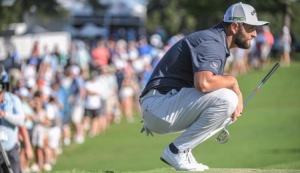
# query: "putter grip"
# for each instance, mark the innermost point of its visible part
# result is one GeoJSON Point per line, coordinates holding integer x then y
{"type": "Point", "coordinates": [270, 73]}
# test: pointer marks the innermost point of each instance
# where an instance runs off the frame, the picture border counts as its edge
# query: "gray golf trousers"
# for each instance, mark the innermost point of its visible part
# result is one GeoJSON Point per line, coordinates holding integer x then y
{"type": "Point", "coordinates": [198, 115]}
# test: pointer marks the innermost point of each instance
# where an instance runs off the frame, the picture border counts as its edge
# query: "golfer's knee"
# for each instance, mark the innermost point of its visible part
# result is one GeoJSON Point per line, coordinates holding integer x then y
{"type": "Point", "coordinates": [231, 99]}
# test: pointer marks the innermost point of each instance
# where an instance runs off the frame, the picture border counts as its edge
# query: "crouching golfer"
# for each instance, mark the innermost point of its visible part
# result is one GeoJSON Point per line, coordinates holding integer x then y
{"type": "Point", "coordinates": [188, 92]}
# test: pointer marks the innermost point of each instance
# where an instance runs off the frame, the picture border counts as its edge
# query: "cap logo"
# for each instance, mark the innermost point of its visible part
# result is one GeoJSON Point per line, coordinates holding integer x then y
{"type": "Point", "coordinates": [253, 13]}
{"type": "Point", "coordinates": [237, 18]}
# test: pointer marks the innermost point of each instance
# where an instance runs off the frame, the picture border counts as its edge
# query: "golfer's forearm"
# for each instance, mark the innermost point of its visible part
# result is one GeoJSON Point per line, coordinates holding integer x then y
{"type": "Point", "coordinates": [237, 90]}
{"type": "Point", "coordinates": [208, 83]}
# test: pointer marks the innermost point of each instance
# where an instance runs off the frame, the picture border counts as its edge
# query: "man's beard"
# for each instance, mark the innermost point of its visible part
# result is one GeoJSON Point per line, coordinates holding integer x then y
{"type": "Point", "coordinates": [240, 40]}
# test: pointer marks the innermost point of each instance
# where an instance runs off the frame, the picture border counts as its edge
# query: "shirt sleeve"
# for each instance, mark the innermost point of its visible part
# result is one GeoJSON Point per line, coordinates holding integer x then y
{"type": "Point", "coordinates": [17, 117]}
{"type": "Point", "coordinates": [208, 56]}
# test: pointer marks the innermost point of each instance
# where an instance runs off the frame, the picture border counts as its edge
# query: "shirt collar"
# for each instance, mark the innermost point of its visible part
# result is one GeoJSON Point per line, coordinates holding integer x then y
{"type": "Point", "coordinates": [219, 27]}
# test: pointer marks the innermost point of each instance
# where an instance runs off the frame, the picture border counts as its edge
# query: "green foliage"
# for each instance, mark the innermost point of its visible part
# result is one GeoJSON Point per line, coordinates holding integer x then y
{"type": "Point", "coordinates": [44, 9]}
{"type": "Point", "coordinates": [169, 14]}
{"type": "Point", "coordinates": [8, 15]}
{"type": "Point", "coordinates": [173, 15]}
{"type": "Point", "coordinates": [97, 6]}
{"type": "Point", "coordinates": [295, 18]}
{"type": "Point", "coordinates": [204, 14]}
{"type": "Point", "coordinates": [265, 137]}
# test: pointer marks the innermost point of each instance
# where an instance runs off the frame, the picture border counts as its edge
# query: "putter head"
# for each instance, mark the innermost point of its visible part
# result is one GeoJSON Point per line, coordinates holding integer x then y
{"type": "Point", "coordinates": [223, 136]}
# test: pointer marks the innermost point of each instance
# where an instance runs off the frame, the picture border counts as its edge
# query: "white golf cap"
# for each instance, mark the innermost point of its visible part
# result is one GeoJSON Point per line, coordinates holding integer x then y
{"type": "Point", "coordinates": [243, 13]}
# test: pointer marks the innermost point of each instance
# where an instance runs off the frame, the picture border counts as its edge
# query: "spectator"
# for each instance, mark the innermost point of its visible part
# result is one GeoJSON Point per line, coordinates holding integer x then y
{"type": "Point", "coordinates": [83, 59]}
{"type": "Point", "coordinates": [286, 43]}
{"type": "Point", "coordinates": [58, 93]}
{"type": "Point", "coordinates": [40, 138]}
{"type": "Point", "coordinates": [30, 72]}
{"type": "Point", "coordinates": [144, 47]}
{"type": "Point", "coordinates": [105, 92]}
{"type": "Point", "coordinates": [146, 75]}
{"type": "Point", "coordinates": [267, 46]}
{"type": "Point", "coordinates": [112, 104]}
{"type": "Point", "coordinates": [121, 51]}
{"type": "Point", "coordinates": [111, 45]}
{"type": "Point", "coordinates": [65, 99]}
{"type": "Point", "coordinates": [25, 135]}
{"type": "Point", "coordinates": [100, 55]}
{"type": "Point", "coordinates": [62, 59]}
{"type": "Point", "coordinates": [133, 52]}
{"type": "Point", "coordinates": [239, 62]}
{"type": "Point", "coordinates": [72, 55]}
{"type": "Point", "coordinates": [11, 117]}
{"type": "Point", "coordinates": [35, 50]}
{"type": "Point", "coordinates": [92, 104]}
{"type": "Point", "coordinates": [127, 93]}
{"type": "Point", "coordinates": [26, 152]}
{"type": "Point", "coordinates": [78, 95]}
{"type": "Point", "coordinates": [50, 59]}
{"type": "Point", "coordinates": [54, 131]}
{"type": "Point", "coordinates": [260, 43]}
{"type": "Point", "coordinates": [252, 62]}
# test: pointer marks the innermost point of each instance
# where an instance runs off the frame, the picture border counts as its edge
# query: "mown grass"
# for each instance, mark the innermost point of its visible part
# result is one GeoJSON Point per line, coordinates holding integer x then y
{"type": "Point", "coordinates": [265, 139]}
{"type": "Point", "coordinates": [213, 170]}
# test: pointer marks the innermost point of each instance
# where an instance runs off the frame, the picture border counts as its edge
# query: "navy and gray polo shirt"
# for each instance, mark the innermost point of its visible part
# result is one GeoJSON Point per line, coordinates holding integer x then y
{"type": "Point", "coordinates": [205, 50]}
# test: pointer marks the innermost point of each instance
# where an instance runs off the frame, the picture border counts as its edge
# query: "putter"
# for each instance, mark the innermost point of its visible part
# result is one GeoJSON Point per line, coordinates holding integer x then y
{"type": "Point", "coordinates": [224, 136]}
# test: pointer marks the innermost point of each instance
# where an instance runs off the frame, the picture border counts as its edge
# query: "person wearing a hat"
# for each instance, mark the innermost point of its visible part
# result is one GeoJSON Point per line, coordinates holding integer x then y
{"type": "Point", "coordinates": [188, 92]}
{"type": "Point", "coordinates": [11, 117]}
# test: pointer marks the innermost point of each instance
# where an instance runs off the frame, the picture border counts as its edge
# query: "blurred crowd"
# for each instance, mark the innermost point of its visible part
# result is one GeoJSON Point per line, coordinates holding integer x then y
{"type": "Point", "coordinates": [69, 97]}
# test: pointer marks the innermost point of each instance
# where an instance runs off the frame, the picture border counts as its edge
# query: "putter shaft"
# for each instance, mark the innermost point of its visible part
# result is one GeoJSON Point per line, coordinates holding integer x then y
{"type": "Point", "coordinates": [247, 100]}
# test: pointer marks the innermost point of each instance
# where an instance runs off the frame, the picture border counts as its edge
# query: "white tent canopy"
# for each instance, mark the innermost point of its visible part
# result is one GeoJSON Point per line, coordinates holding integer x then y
{"type": "Point", "coordinates": [72, 30]}
{"type": "Point", "coordinates": [91, 30]}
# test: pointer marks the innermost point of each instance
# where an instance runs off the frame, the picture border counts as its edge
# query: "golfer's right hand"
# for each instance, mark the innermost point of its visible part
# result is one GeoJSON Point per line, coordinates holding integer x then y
{"type": "Point", "coordinates": [238, 111]}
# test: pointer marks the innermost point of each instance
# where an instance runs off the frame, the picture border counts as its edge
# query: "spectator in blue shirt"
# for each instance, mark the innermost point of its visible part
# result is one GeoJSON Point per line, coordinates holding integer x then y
{"type": "Point", "coordinates": [11, 116]}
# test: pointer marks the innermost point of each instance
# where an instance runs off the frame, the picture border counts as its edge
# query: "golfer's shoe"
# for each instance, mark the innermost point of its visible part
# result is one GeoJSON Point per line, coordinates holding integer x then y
{"type": "Point", "coordinates": [193, 160]}
{"type": "Point", "coordinates": [180, 161]}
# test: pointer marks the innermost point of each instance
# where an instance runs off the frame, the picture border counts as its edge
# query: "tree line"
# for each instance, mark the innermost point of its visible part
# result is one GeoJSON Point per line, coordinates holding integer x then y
{"type": "Point", "coordinates": [173, 15]}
